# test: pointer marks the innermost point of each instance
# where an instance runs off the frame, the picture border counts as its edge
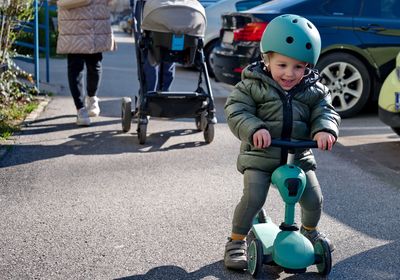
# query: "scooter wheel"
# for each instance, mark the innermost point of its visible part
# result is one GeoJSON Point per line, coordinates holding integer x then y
{"type": "Point", "coordinates": [126, 114]}
{"type": "Point", "coordinates": [209, 133]}
{"type": "Point", "coordinates": [322, 249]}
{"type": "Point", "coordinates": [255, 258]}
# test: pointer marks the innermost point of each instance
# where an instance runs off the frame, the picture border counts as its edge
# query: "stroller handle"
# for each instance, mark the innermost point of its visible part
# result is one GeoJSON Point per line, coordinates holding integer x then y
{"type": "Point", "coordinates": [304, 144]}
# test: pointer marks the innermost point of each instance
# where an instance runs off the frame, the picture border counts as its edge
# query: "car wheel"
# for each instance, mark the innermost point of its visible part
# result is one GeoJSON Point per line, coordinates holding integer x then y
{"type": "Point", "coordinates": [348, 80]}
{"type": "Point", "coordinates": [207, 54]}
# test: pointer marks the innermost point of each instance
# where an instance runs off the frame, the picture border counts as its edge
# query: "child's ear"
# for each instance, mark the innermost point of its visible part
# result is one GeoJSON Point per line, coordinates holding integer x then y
{"type": "Point", "coordinates": [265, 58]}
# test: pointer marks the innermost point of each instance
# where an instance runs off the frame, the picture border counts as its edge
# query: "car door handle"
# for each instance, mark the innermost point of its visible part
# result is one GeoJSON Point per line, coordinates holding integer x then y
{"type": "Point", "coordinates": [372, 27]}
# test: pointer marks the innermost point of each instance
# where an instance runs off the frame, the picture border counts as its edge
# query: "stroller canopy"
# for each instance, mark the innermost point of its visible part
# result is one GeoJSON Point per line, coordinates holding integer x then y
{"type": "Point", "coordinates": [175, 16]}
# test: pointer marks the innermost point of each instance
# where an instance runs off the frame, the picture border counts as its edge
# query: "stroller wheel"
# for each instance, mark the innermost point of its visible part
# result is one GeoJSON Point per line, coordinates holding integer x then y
{"type": "Point", "coordinates": [126, 114]}
{"type": "Point", "coordinates": [142, 130]}
{"type": "Point", "coordinates": [209, 133]}
{"type": "Point", "coordinates": [201, 121]}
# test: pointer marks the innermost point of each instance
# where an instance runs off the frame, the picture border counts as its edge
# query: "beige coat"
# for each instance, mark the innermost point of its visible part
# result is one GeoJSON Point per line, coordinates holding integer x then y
{"type": "Point", "coordinates": [85, 30]}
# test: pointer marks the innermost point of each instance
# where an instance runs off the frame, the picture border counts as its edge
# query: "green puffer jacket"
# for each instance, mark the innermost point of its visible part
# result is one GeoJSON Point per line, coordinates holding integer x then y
{"type": "Point", "coordinates": [259, 102]}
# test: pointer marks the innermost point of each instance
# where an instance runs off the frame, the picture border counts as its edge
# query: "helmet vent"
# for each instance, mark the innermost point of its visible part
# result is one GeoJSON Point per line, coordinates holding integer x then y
{"type": "Point", "coordinates": [289, 40]}
{"type": "Point", "coordinates": [295, 20]}
{"type": "Point", "coordinates": [308, 46]}
{"type": "Point", "coordinates": [309, 25]}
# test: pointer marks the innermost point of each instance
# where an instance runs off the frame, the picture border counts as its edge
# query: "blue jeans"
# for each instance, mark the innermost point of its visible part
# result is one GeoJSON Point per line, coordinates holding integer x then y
{"type": "Point", "coordinates": [152, 76]}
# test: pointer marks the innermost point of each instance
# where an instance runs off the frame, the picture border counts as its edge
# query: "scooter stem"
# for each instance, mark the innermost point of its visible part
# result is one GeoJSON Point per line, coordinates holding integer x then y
{"type": "Point", "coordinates": [289, 213]}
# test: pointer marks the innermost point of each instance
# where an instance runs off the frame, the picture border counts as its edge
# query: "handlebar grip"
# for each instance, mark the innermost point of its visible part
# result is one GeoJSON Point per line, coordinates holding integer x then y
{"type": "Point", "coordinates": [306, 144]}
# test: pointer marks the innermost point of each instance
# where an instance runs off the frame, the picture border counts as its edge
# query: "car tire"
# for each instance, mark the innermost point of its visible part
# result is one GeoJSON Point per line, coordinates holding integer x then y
{"type": "Point", "coordinates": [348, 80]}
{"type": "Point", "coordinates": [207, 54]}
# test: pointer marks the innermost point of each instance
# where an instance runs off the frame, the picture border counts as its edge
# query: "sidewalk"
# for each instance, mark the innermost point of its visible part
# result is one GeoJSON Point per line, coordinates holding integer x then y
{"type": "Point", "coordinates": [119, 79]}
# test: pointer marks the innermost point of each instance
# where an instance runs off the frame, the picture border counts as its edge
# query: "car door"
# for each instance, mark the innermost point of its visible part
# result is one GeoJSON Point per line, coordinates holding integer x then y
{"type": "Point", "coordinates": [378, 27]}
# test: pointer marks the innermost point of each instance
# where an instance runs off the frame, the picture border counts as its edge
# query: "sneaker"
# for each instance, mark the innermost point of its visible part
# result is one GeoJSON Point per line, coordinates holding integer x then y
{"type": "Point", "coordinates": [235, 254]}
{"type": "Point", "coordinates": [92, 105]}
{"type": "Point", "coordinates": [314, 235]}
{"type": "Point", "coordinates": [82, 117]}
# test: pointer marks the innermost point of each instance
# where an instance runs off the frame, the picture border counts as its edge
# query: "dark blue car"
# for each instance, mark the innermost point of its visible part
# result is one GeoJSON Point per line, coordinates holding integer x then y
{"type": "Point", "coordinates": [360, 40]}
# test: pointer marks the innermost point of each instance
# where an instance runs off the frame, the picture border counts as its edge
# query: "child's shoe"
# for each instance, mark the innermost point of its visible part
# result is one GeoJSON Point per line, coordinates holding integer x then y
{"type": "Point", "coordinates": [235, 254]}
{"type": "Point", "coordinates": [92, 105]}
{"type": "Point", "coordinates": [82, 118]}
{"type": "Point", "coordinates": [313, 236]}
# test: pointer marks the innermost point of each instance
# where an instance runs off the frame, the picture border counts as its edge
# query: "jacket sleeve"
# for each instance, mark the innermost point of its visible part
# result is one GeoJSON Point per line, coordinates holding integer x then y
{"type": "Point", "coordinates": [240, 112]}
{"type": "Point", "coordinates": [323, 115]}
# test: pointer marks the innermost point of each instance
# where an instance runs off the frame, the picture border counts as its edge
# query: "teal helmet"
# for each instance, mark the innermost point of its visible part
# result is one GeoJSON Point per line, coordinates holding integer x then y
{"type": "Point", "coordinates": [293, 36]}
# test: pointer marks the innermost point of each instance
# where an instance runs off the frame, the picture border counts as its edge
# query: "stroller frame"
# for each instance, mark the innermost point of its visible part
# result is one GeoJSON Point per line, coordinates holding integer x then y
{"type": "Point", "coordinates": [198, 104]}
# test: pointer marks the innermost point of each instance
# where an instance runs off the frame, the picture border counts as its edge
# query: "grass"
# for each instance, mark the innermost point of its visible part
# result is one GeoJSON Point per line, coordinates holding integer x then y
{"type": "Point", "coordinates": [12, 116]}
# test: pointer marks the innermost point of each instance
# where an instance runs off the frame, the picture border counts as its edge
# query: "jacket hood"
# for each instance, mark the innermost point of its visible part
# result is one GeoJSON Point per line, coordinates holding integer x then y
{"type": "Point", "coordinates": [256, 70]}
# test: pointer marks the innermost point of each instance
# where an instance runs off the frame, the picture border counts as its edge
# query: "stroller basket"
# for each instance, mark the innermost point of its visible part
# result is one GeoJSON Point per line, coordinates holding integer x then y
{"type": "Point", "coordinates": [170, 47]}
{"type": "Point", "coordinates": [176, 105]}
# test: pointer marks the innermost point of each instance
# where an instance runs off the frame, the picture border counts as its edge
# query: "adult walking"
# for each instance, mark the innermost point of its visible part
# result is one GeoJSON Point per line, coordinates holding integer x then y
{"type": "Point", "coordinates": [84, 34]}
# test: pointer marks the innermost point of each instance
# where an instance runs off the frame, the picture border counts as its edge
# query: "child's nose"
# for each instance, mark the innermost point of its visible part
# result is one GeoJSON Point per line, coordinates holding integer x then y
{"type": "Point", "coordinates": [290, 72]}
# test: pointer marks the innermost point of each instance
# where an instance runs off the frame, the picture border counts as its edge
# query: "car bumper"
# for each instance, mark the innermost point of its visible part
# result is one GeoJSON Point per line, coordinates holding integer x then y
{"type": "Point", "coordinates": [227, 64]}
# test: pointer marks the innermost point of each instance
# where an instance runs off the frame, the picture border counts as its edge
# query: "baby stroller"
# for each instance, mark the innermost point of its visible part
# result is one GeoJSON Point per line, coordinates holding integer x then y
{"type": "Point", "coordinates": [170, 31]}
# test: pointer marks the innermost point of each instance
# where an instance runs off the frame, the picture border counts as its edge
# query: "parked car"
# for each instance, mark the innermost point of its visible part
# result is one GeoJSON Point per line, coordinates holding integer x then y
{"type": "Point", "coordinates": [214, 22]}
{"type": "Point", "coordinates": [360, 40]}
{"type": "Point", "coordinates": [207, 3]}
{"type": "Point", "coordinates": [389, 99]}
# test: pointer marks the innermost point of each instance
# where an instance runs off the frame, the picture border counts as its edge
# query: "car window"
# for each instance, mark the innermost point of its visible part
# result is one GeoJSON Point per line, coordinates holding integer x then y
{"type": "Point", "coordinates": [340, 7]}
{"type": "Point", "coordinates": [381, 9]}
{"type": "Point", "coordinates": [245, 5]}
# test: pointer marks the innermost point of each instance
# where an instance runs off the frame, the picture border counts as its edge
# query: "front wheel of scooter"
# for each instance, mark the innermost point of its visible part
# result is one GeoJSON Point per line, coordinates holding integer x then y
{"type": "Point", "coordinates": [255, 258]}
{"type": "Point", "coordinates": [323, 250]}
{"type": "Point", "coordinates": [209, 133]}
{"type": "Point", "coordinates": [126, 114]}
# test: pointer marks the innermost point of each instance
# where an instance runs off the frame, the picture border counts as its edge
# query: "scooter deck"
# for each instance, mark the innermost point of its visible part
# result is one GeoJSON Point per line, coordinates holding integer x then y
{"type": "Point", "coordinates": [266, 233]}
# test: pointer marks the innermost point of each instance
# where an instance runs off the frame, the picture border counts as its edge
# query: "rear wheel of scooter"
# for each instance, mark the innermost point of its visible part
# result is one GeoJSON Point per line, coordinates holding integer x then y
{"type": "Point", "coordinates": [255, 258]}
{"type": "Point", "coordinates": [323, 250]}
{"type": "Point", "coordinates": [142, 131]}
{"type": "Point", "coordinates": [126, 114]}
{"type": "Point", "coordinates": [209, 133]}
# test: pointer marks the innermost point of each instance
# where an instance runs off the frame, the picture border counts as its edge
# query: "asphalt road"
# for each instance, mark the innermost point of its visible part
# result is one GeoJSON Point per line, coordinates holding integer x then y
{"type": "Point", "coordinates": [91, 203]}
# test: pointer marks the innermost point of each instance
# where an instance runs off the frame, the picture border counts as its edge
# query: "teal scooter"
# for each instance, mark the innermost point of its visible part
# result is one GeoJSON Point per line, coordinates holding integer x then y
{"type": "Point", "coordinates": [285, 246]}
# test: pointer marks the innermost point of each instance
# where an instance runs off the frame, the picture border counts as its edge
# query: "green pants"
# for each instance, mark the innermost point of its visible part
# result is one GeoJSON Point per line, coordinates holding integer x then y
{"type": "Point", "coordinates": [256, 186]}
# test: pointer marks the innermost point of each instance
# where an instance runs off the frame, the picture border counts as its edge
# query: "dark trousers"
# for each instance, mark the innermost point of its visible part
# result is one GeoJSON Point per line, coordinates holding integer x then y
{"type": "Point", "coordinates": [76, 65]}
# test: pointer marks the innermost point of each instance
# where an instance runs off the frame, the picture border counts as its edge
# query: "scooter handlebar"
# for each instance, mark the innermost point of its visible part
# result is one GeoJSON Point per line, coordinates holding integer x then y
{"type": "Point", "coordinates": [306, 144]}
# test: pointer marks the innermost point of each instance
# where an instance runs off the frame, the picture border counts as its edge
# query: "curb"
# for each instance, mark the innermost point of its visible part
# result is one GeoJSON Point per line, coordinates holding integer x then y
{"type": "Point", "coordinates": [44, 101]}
{"type": "Point", "coordinates": [31, 117]}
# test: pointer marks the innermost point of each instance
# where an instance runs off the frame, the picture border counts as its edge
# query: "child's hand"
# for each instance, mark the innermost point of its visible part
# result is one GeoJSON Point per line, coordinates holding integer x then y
{"type": "Point", "coordinates": [261, 138]}
{"type": "Point", "coordinates": [325, 140]}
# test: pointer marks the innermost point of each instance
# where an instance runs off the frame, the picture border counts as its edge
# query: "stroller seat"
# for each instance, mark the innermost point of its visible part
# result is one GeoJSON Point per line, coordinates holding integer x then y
{"type": "Point", "coordinates": [173, 29]}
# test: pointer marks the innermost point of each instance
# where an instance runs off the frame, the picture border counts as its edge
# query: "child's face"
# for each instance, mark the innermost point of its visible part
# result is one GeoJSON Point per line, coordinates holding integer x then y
{"type": "Point", "coordinates": [286, 71]}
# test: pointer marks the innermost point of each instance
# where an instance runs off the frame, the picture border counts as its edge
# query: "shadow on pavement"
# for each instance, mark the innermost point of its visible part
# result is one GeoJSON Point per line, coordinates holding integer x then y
{"type": "Point", "coordinates": [361, 266]}
{"type": "Point", "coordinates": [172, 272]}
{"type": "Point", "coordinates": [99, 143]}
